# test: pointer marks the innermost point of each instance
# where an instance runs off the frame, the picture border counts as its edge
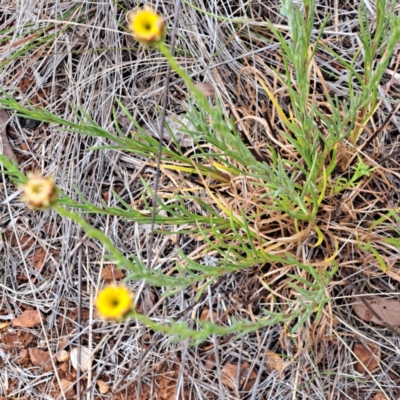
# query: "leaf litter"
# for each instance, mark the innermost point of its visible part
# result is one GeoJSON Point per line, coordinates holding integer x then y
{"type": "Point", "coordinates": [368, 357]}
{"type": "Point", "coordinates": [388, 310]}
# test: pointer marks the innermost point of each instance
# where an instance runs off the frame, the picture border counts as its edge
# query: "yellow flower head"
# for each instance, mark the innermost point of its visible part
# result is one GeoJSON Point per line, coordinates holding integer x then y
{"type": "Point", "coordinates": [39, 192]}
{"type": "Point", "coordinates": [146, 25]}
{"type": "Point", "coordinates": [114, 302]}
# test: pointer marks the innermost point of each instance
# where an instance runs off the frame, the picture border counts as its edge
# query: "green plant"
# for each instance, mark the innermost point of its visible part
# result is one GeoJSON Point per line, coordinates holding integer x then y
{"type": "Point", "coordinates": [281, 214]}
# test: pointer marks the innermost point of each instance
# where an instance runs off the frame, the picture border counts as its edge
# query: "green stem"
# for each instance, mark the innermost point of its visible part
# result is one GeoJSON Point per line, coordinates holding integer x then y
{"type": "Point", "coordinates": [137, 268]}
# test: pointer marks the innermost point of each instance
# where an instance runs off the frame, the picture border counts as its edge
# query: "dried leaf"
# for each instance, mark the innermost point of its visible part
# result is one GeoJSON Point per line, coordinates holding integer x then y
{"type": "Point", "coordinates": [379, 396]}
{"type": "Point", "coordinates": [274, 362]}
{"type": "Point", "coordinates": [40, 358]}
{"type": "Point", "coordinates": [210, 361]}
{"type": "Point", "coordinates": [24, 147]}
{"type": "Point", "coordinates": [207, 316]}
{"type": "Point", "coordinates": [5, 147]}
{"type": "Point", "coordinates": [229, 376]}
{"type": "Point", "coordinates": [388, 310]}
{"type": "Point", "coordinates": [3, 325]}
{"type": "Point", "coordinates": [23, 356]}
{"type": "Point", "coordinates": [147, 302]}
{"type": "Point", "coordinates": [206, 88]}
{"type": "Point", "coordinates": [39, 258]}
{"type": "Point", "coordinates": [62, 344]}
{"type": "Point", "coordinates": [28, 319]}
{"type": "Point", "coordinates": [67, 387]}
{"type": "Point", "coordinates": [369, 355]}
{"type": "Point", "coordinates": [51, 228]}
{"type": "Point", "coordinates": [26, 241]}
{"type": "Point", "coordinates": [111, 273]}
{"type": "Point", "coordinates": [64, 367]}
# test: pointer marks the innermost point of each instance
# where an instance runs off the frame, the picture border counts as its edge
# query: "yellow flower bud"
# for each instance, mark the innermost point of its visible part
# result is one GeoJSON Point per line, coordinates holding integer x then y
{"type": "Point", "coordinates": [114, 302]}
{"type": "Point", "coordinates": [146, 25]}
{"type": "Point", "coordinates": [39, 192]}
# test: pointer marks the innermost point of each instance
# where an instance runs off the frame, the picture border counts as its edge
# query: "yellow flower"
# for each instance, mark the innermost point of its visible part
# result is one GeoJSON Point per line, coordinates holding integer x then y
{"type": "Point", "coordinates": [114, 302]}
{"type": "Point", "coordinates": [146, 25]}
{"type": "Point", "coordinates": [39, 192]}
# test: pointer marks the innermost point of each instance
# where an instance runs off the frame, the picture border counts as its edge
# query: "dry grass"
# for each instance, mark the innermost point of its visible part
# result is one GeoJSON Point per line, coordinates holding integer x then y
{"type": "Point", "coordinates": [89, 64]}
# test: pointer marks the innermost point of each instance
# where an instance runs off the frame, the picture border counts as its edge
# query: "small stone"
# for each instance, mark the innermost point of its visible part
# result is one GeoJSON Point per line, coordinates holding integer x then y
{"type": "Point", "coordinates": [40, 358]}
{"type": "Point", "coordinates": [28, 319]}
{"type": "Point", "coordinates": [62, 356]}
{"type": "Point", "coordinates": [86, 358]}
{"type": "Point", "coordinates": [67, 387]}
{"type": "Point", "coordinates": [103, 387]}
